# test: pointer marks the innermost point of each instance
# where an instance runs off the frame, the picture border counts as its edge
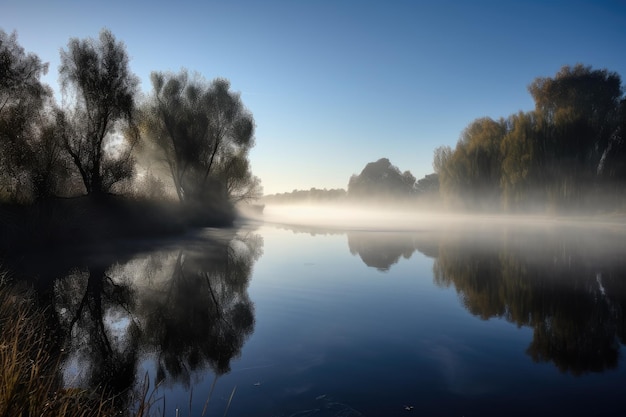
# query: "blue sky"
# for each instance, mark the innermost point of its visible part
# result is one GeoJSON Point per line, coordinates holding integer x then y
{"type": "Point", "coordinates": [334, 85]}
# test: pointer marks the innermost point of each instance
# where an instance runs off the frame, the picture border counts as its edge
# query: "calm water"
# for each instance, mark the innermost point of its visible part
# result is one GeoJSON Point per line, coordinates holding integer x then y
{"type": "Point", "coordinates": [268, 320]}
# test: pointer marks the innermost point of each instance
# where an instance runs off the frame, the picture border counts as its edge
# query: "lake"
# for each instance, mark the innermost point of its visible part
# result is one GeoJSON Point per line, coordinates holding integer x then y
{"type": "Point", "coordinates": [446, 318]}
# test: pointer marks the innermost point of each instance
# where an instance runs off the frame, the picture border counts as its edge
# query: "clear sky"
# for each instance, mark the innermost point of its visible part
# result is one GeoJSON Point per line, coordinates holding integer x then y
{"type": "Point", "coordinates": [336, 84]}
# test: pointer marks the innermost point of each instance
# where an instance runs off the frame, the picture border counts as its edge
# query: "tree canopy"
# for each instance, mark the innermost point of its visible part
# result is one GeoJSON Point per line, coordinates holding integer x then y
{"type": "Point", "coordinates": [203, 132]}
{"type": "Point", "coordinates": [381, 179]}
{"type": "Point", "coordinates": [561, 155]}
{"type": "Point", "coordinates": [101, 90]}
{"type": "Point", "coordinates": [23, 120]}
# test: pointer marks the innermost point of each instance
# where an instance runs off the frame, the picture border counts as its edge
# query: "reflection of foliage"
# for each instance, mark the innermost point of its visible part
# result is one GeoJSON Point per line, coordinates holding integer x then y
{"type": "Point", "coordinates": [105, 349]}
{"type": "Point", "coordinates": [381, 250]}
{"type": "Point", "coordinates": [572, 297]}
{"type": "Point", "coordinates": [202, 315]}
{"type": "Point", "coordinates": [188, 305]}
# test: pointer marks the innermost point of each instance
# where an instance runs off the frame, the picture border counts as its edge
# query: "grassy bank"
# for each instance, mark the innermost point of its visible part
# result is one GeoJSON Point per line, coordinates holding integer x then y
{"type": "Point", "coordinates": [30, 384]}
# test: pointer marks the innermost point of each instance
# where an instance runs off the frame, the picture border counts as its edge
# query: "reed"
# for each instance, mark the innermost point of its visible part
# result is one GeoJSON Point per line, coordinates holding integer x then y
{"type": "Point", "coordinates": [30, 384]}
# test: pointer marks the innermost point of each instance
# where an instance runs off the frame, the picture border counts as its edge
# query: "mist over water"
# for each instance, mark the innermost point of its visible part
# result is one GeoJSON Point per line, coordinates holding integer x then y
{"type": "Point", "coordinates": [346, 217]}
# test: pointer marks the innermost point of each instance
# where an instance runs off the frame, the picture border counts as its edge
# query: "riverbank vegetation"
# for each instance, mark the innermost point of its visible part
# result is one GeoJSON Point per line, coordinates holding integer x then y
{"type": "Point", "coordinates": [103, 163]}
{"type": "Point", "coordinates": [29, 382]}
{"type": "Point", "coordinates": [568, 155]}
{"type": "Point", "coordinates": [77, 325]}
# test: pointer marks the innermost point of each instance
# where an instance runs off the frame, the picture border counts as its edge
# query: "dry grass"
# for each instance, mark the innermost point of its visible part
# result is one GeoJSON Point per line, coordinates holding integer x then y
{"type": "Point", "coordinates": [30, 381]}
{"type": "Point", "coordinates": [30, 384]}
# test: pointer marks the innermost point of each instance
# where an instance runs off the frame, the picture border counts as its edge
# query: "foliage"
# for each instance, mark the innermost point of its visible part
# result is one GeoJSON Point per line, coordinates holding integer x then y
{"type": "Point", "coordinates": [427, 185]}
{"type": "Point", "coordinates": [102, 89]}
{"type": "Point", "coordinates": [31, 163]}
{"type": "Point", "coordinates": [578, 114]}
{"type": "Point", "coordinates": [381, 179]}
{"type": "Point", "coordinates": [472, 171]}
{"type": "Point", "coordinates": [521, 168]}
{"type": "Point", "coordinates": [189, 305]}
{"type": "Point", "coordinates": [581, 327]}
{"type": "Point", "coordinates": [202, 132]}
{"type": "Point", "coordinates": [87, 146]}
{"type": "Point", "coordinates": [313, 195]}
{"type": "Point", "coordinates": [562, 154]}
{"type": "Point", "coordinates": [30, 383]}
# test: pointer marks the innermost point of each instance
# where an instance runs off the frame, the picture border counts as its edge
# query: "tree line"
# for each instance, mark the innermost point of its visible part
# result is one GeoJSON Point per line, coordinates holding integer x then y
{"type": "Point", "coordinates": [379, 181]}
{"type": "Point", "coordinates": [568, 153]}
{"type": "Point", "coordinates": [102, 139]}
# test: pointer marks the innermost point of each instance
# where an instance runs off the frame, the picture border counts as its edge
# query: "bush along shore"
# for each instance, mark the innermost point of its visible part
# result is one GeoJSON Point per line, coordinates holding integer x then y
{"type": "Point", "coordinates": [89, 219]}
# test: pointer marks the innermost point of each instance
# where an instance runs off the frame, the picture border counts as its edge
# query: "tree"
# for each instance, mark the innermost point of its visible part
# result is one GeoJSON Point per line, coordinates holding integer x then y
{"type": "Point", "coordinates": [579, 116]}
{"type": "Point", "coordinates": [523, 168]}
{"type": "Point", "coordinates": [203, 133]}
{"type": "Point", "coordinates": [19, 75]}
{"type": "Point", "coordinates": [23, 99]}
{"type": "Point", "coordinates": [96, 76]}
{"type": "Point", "coordinates": [441, 158]}
{"type": "Point", "coordinates": [381, 179]}
{"type": "Point", "coordinates": [472, 171]}
{"type": "Point", "coordinates": [428, 185]}
{"type": "Point", "coordinates": [241, 185]}
{"type": "Point", "coordinates": [571, 295]}
{"type": "Point", "coordinates": [613, 162]}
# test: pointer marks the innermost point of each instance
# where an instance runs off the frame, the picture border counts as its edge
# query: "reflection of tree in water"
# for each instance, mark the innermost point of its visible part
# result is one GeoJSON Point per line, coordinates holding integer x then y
{"type": "Point", "coordinates": [187, 305]}
{"type": "Point", "coordinates": [380, 250]}
{"type": "Point", "coordinates": [201, 316]}
{"type": "Point", "coordinates": [572, 293]}
{"type": "Point", "coordinates": [97, 312]}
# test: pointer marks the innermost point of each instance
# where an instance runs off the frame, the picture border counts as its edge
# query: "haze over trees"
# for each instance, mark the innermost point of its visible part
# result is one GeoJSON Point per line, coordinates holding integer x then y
{"type": "Point", "coordinates": [101, 90]}
{"type": "Point", "coordinates": [90, 144]}
{"type": "Point", "coordinates": [568, 153]}
{"type": "Point", "coordinates": [203, 133]}
{"type": "Point", "coordinates": [25, 143]}
{"type": "Point", "coordinates": [379, 181]}
{"type": "Point", "coordinates": [313, 195]}
{"type": "Point", "coordinates": [565, 154]}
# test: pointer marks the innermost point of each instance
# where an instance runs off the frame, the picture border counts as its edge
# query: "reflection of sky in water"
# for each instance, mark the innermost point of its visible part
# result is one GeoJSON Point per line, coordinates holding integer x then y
{"type": "Point", "coordinates": [327, 325]}
{"type": "Point", "coordinates": [334, 337]}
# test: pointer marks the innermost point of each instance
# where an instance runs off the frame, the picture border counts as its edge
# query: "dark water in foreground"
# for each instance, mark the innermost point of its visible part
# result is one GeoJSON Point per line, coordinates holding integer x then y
{"type": "Point", "coordinates": [270, 321]}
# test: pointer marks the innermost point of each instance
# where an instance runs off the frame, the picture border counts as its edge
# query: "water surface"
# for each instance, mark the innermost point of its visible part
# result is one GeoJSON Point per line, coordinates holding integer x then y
{"type": "Point", "coordinates": [487, 319]}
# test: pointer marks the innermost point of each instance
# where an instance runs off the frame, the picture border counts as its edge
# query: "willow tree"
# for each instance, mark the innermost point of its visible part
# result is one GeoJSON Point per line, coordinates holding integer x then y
{"type": "Point", "coordinates": [100, 94]}
{"type": "Point", "coordinates": [579, 116]}
{"type": "Point", "coordinates": [470, 174]}
{"type": "Point", "coordinates": [203, 133]}
{"type": "Point", "coordinates": [523, 165]}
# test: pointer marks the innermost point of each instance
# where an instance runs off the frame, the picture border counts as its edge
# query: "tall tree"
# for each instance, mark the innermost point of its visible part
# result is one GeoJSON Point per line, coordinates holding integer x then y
{"type": "Point", "coordinates": [203, 132]}
{"type": "Point", "coordinates": [579, 113]}
{"type": "Point", "coordinates": [96, 76]}
{"type": "Point", "coordinates": [523, 167]}
{"type": "Point", "coordinates": [381, 179]}
{"type": "Point", "coordinates": [23, 99]}
{"type": "Point", "coordinates": [472, 171]}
